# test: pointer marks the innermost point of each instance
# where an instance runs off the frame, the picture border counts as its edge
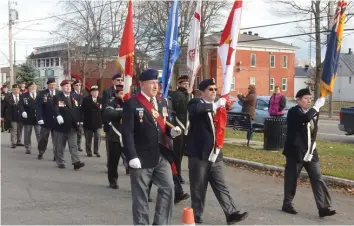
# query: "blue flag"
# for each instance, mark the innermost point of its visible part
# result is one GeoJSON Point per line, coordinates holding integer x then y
{"type": "Point", "coordinates": [171, 47]}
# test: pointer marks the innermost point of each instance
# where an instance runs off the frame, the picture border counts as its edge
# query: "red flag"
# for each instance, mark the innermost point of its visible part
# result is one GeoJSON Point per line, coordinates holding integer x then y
{"type": "Point", "coordinates": [126, 51]}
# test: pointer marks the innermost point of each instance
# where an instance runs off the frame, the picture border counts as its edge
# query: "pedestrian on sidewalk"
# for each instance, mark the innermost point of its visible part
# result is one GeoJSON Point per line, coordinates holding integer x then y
{"type": "Point", "coordinates": [300, 151]}
{"type": "Point", "coordinates": [277, 103]}
{"type": "Point", "coordinates": [28, 113]}
{"type": "Point", "coordinates": [205, 161]}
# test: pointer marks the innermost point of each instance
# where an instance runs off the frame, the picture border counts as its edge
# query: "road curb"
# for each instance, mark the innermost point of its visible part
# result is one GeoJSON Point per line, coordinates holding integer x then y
{"type": "Point", "coordinates": [264, 167]}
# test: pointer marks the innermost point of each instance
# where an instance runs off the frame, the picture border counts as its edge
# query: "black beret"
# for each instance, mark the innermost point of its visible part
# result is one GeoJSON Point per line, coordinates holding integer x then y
{"type": "Point", "coordinates": [50, 80]}
{"type": "Point", "coordinates": [149, 74]}
{"type": "Point", "coordinates": [118, 75]}
{"type": "Point", "coordinates": [303, 92]}
{"type": "Point", "coordinates": [93, 88]}
{"type": "Point", "coordinates": [119, 88]}
{"type": "Point", "coordinates": [15, 86]}
{"type": "Point", "coordinates": [31, 83]}
{"type": "Point", "coordinates": [205, 83]}
{"type": "Point", "coordinates": [76, 82]}
{"type": "Point", "coordinates": [183, 78]}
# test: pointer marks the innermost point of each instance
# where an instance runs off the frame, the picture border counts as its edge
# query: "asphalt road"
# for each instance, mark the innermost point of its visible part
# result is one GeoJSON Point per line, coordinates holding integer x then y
{"type": "Point", "coordinates": [37, 192]}
{"type": "Point", "coordinates": [328, 130]}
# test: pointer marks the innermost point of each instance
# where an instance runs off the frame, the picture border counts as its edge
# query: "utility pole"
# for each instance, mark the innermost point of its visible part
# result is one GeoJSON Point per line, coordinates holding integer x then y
{"type": "Point", "coordinates": [15, 53]}
{"type": "Point", "coordinates": [330, 18]}
{"type": "Point", "coordinates": [13, 16]}
{"type": "Point", "coordinates": [69, 60]}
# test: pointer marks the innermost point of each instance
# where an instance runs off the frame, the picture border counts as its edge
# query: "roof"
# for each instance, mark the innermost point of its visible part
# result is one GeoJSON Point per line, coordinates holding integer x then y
{"type": "Point", "coordinates": [303, 72]}
{"type": "Point", "coordinates": [251, 40]}
{"type": "Point", "coordinates": [348, 60]}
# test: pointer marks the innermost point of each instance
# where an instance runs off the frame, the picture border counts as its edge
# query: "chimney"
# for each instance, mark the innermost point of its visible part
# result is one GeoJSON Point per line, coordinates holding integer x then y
{"type": "Point", "coordinates": [255, 34]}
{"type": "Point", "coordinates": [350, 51]}
{"type": "Point", "coordinates": [250, 32]}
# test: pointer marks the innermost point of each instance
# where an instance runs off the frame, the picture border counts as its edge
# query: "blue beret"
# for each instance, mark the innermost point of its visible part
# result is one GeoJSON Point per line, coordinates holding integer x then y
{"type": "Point", "coordinates": [205, 83]}
{"type": "Point", "coordinates": [149, 74]}
{"type": "Point", "coordinates": [50, 80]}
{"type": "Point", "coordinates": [303, 92]}
{"type": "Point", "coordinates": [118, 75]}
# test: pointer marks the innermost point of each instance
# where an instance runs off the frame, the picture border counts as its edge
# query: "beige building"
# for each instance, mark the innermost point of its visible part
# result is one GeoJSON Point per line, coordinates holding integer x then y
{"type": "Point", "coordinates": [5, 74]}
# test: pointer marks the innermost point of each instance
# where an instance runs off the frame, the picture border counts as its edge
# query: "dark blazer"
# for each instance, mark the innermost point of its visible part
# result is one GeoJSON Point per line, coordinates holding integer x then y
{"type": "Point", "coordinates": [10, 111]}
{"type": "Point", "coordinates": [107, 96]}
{"type": "Point", "coordinates": [180, 99]}
{"type": "Point", "coordinates": [28, 105]}
{"type": "Point", "coordinates": [296, 144]}
{"type": "Point", "coordinates": [142, 139]}
{"type": "Point", "coordinates": [114, 114]}
{"type": "Point", "coordinates": [91, 113]}
{"type": "Point", "coordinates": [249, 103]}
{"type": "Point", "coordinates": [69, 113]}
{"type": "Point", "coordinates": [201, 135]}
{"type": "Point", "coordinates": [79, 97]}
{"type": "Point", "coordinates": [45, 108]}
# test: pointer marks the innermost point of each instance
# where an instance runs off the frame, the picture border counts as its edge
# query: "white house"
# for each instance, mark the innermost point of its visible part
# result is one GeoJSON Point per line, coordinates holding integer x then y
{"type": "Point", "coordinates": [302, 77]}
{"type": "Point", "coordinates": [344, 85]}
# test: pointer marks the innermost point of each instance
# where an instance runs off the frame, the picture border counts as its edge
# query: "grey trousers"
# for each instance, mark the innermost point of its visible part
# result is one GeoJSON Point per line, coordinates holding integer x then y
{"type": "Point", "coordinates": [80, 132]}
{"type": "Point", "coordinates": [96, 141]}
{"type": "Point", "coordinates": [28, 134]}
{"type": "Point", "coordinates": [60, 140]}
{"type": "Point", "coordinates": [200, 173]}
{"type": "Point", "coordinates": [161, 176]}
{"type": "Point", "coordinates": [43, 141]}
{"type": "Point", "coordinates": [16, 133]}
{"type": "Point", "coordinates": [319, 188]}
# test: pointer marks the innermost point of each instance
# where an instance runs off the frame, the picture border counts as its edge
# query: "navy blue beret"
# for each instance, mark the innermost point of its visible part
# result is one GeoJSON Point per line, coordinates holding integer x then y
{"type": "Point", "coordinates": [149, 74]}
{"type": "Point", "coordinates": [205, 83]}
{"type": "Point", "coordinates": [303, 92]}
{"type": "Point", "coordinates": [14, 86]}
{"type": "Point", "coordinates": [118, 75]}
{"type": "Point", "coordinates": [183, 78]}
{"type": "Point", "coordinates": [50, 80]}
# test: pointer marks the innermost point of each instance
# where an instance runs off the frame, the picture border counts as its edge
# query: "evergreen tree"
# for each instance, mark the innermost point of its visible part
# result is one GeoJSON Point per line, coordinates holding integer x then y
{"type": "Point", "coordinates": [27, 73]}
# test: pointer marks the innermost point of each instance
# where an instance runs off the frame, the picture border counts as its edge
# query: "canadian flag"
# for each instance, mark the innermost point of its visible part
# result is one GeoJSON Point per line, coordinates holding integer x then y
{"type": "Point", "coordinates": [193, 62]}
{"type": "Point", "coordinates": [126, 52]}
{"type": "Point", "coordinates": [227, 54]}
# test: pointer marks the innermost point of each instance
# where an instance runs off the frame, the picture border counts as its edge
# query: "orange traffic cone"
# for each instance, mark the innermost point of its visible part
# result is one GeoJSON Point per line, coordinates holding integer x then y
{"type": "Point", "coordinates": [188, 216]}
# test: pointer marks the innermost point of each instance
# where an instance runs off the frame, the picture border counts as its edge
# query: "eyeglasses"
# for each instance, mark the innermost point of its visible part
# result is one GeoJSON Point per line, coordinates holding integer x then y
{"type": "Point", "coordinates": [78, 85]}
{"type": "Point", "coordinates": [213, 89]}
{"type": "Point", "coordinates": [119, 80]}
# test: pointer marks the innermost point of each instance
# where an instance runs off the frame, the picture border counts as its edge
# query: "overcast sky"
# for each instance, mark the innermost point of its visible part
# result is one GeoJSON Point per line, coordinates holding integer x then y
{"type": "Point", "coordinates": [255, 12]}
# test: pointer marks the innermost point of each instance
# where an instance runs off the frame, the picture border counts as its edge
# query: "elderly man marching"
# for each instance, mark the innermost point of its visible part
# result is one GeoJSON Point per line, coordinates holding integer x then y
{"type": "Point", "coordinates": [28, 113]}
{"type": "Point", "coordinates": [204, 159]}
{"type": "Point", "coordinates": [300, 151]}
{"type": "Point", "coordinates": [144, 138]}
{"type": "Point", "coordinates": [66, 113]}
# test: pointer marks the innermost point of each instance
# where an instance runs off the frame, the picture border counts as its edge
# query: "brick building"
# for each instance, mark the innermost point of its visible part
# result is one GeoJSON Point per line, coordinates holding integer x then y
{"type": "Point", "coordinates": [259, 61]}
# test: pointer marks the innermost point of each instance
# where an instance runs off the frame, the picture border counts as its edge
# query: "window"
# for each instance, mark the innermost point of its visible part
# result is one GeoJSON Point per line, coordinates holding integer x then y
{"type": "Point", "coordinates": [56, 61]}
{"type": "Point", "coordinates": [34, 63]}
{"type": "Point", "coordinates": [38, 63]}
{"type": "Point", "coordinates": [272, 61]}
{"type": "Point", "coordinates": [253, 60]}
{"type": "Point", "coordinates": [350, 80]}
{"type": "Point", "coordinates": [285, 61]}
{"type": "Point", "coordinates": [51, 62]}
{"type": "Point", "coordinates": [46, 62]}
{"type": "Point", "coordinates": [262, 105]}
{"type": "Point", "coordinates": [271, 84]}
{"type": "Point", "coordinates": [252, 81]}
{"type": "Point", "coordinates": [233, 83]}
{"type": "Point", "coordinates": [284, 84]}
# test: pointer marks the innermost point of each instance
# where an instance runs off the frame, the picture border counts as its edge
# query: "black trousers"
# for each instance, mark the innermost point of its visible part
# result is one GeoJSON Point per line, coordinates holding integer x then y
{"type": "Point", "coordinates": [179, 144]}
{"type": "Point", "coordinates": [178, 186]}
{"type": "Point", "coordinates": [114, 153]}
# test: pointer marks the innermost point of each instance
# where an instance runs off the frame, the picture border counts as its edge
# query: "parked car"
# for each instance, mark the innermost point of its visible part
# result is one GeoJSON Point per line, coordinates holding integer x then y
{"type": "Point", "coordinates": [346, 120]}
{"type": "Point", "coordinates": [261, 108]}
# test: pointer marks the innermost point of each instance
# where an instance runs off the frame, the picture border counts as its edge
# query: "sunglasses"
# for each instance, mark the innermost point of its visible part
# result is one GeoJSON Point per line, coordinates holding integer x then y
{"type": "Point", "coordinates": [119, 80]}
{"type": "Point", "coordinates": [78, 85]}
{"type": "Point", "coordinates": [213, 89]}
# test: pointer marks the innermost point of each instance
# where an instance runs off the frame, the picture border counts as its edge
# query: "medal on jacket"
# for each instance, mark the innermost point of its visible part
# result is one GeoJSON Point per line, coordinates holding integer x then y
{"type": "Point", "coordinates": [75, 101]}
{"type": "Point", "coordinates": [141, 114]}
{"type": "Point", "coordinates": [164, 112]}
{"type": "Point", "coordinates": [45, 98]}
{"type": "Point", "coordinates": [26, 101]}
{"type": "Point", "coordinates": [61, 103]}
{"type": "Point", "coordinates": [155, 113]}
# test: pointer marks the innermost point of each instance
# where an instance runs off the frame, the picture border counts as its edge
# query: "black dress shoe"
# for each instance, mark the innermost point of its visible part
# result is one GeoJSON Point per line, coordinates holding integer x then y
{"type": "Point", "coordinates": [53, 159]}
{"type": "Point", "coordinates": [20, 144]}
{"type": "Point", "coordinates": [40, 156]}
{"type": "Point", "coordinates": [181, 180]}
{"type": "Point", "coordinates": [289, 209]}
{"type": "Point", "coordinates": [78, 165]}
{"type": "Point", "coordinates": [28, 152]}
{"type": "Point", "coordinates": [80, 150]}
{"type": "Point", "coordinates": [236, 217]}
{"type": "Point", "coordinates": [181, 197]}
{"type": "Point", "coordinates": [13, 146]}
{"type": "Point", "coordinates": [114, 186]}
{"type": "Point", "coordinates": [97, 155]}
{"type": "Point", "coordinates": [127, 171]}
{"type": "Point", "coordinates": [61, 166]}
{"type": "Point", "coordinates": [198, 220]}
{"type": "Point", "coordinates": [326, 212]}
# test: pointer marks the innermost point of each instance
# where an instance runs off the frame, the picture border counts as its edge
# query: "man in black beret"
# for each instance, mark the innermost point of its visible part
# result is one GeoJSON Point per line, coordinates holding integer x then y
{"type": "Point", "coordinates": [300, 151]}
{"type": "Point", "coordinates": [144, 134]}
{"type": "Point", "coordinates": [4, 92]}
{"type": "Point", "coordinates": [45, 116]}
{"type": "Point", "coordinates": [28, 113]}
{"type": "Point", "coordinates": [205, 160]}
{"type": "Point", "coordinates": [10, 112]}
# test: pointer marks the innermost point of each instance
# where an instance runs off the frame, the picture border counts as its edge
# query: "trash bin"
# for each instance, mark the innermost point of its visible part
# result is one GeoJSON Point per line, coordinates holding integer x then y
{"type": "Point", "coordinates": [274, 133]}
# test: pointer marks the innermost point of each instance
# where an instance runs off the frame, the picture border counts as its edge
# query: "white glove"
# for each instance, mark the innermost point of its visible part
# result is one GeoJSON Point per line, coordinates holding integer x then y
{"type": "Point", "coordinates": [319, 103]}
{"type": "Point", "coordinates": [40, 122]}
{"type": "Point", "coordinates": [24, 114]}
{"type": "Point", "coordinates": [135, 163]}
{"type": "Point", "coordinates": [60, 119]}
{"type": "Point", "coordinates": [175, 132]}
{"type": "Point", "coordinates": [220, 103]}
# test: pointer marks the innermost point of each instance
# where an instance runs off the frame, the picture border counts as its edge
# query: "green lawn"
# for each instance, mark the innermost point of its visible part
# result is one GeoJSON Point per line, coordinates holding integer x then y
{"type": "Point", "coordinates": [337, 159]}
{"type": "Point", "coordinates": [337, 105]}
